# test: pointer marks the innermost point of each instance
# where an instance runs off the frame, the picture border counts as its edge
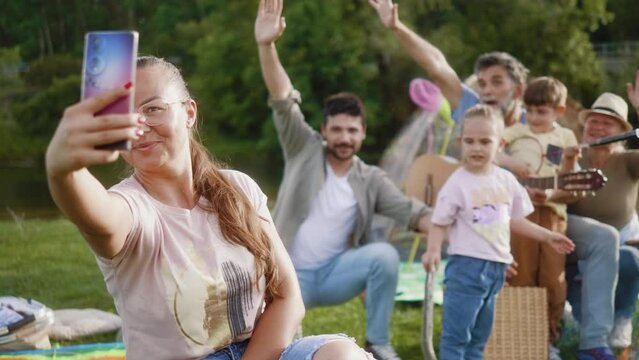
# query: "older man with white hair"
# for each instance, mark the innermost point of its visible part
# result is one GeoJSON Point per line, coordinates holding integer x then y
{"type": "Point", "coordinates": [602, 226]}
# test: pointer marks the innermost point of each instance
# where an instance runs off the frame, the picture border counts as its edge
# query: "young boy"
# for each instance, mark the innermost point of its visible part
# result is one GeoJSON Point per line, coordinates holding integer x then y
{"type": "Point", "coordinates": [538, 264]}
{"type": "Point", "coordinates": [481, 204]}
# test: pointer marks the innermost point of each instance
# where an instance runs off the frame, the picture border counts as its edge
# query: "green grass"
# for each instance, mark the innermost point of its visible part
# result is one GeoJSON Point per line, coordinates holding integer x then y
{"type": "Point", "coordinates": [50, 262]}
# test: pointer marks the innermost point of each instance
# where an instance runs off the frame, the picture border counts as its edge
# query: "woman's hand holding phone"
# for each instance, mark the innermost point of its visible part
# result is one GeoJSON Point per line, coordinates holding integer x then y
{"type": "Point", "coordinates": [79, 132]}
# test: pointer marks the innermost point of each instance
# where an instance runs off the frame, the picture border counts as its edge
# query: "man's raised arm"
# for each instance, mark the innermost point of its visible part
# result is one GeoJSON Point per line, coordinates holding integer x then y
{"type": "Point", "coordinates": [430, 58]}
{"type": "Point", "coordinates": [269, 26]}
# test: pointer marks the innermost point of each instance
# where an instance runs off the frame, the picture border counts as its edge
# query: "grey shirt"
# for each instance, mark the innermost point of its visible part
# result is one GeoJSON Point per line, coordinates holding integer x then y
{"type": "Point", "coordinates": [304, 176]}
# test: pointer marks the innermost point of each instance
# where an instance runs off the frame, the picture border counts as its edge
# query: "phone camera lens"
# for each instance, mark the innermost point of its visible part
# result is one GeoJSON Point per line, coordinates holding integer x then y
{"type": "Point", "coordinates": [97, 44]}
{"type": "Point", "coordinates": [95, 65]}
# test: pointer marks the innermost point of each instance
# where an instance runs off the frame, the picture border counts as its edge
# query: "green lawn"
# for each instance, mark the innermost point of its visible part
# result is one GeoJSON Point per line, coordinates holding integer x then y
{"type": "Point", "coordinates": [50, 262]}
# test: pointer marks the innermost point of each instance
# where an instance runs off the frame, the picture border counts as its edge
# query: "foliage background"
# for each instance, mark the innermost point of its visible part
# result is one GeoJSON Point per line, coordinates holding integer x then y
{"type": "Point", "coordinates": [328, 46]}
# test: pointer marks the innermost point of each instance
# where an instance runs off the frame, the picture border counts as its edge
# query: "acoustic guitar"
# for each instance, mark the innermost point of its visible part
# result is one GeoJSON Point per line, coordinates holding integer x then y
{"type": "Point", "coordinates": [429, 172]}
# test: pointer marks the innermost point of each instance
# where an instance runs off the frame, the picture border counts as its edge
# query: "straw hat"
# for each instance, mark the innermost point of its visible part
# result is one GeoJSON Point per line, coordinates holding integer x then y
{"type": "Point", "coordinates": [611, 105]}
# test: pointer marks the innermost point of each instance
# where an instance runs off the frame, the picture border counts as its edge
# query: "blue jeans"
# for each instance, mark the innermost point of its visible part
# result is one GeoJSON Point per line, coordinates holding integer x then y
{"type": "Point", "coordinates": [472, 286]}
{"type": "Point", "coordinates": [373, 267]}
{"type": "Point", "coordinates": [300, 349]}
{"type": "Point", "coordinates": [628, 284]}
{"type": "Point", "coordinates": [591, 275]}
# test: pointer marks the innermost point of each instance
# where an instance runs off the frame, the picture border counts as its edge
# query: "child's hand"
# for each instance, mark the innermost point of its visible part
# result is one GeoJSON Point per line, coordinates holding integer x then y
{"type": "Point", "coordinates": [537, 196]}
{"type": "Point", "coordinates": [431, 260]}
{"type": "Point", "coordinates": [560, 243]}
{"type": "Point", "coordinates": [572, 152]}
{"type": "Point", "coordinates": [511, 271]}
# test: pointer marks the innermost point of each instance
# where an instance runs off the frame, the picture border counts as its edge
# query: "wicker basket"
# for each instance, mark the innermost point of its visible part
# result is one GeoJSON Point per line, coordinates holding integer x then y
{"type": "Point", "coordinates": [520, 330]}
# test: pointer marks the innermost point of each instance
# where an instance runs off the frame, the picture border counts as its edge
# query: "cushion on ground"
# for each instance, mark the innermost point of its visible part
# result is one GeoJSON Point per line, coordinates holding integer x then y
{"type": "Point", "coordinates": [72, 324]}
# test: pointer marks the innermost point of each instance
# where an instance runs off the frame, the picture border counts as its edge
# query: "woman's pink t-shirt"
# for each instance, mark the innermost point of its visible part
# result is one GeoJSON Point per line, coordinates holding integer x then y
{"type": "Point", "coordinates": [181, 289]}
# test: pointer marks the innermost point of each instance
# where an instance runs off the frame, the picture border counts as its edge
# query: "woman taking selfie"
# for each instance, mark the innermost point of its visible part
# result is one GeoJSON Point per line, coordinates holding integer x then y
{"type": "Point", "coordinates": [188, 250]}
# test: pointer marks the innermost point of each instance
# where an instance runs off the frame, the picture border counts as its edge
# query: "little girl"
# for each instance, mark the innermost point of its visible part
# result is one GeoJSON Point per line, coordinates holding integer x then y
{"type": "Point", "coordinates": [481, 204]}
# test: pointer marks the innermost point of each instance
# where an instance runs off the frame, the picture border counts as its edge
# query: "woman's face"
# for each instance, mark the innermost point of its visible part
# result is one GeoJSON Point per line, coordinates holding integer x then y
{"type": "Point", "coordinates": [598, 126]}
{"type": "Point", "coordinates": [170, 116]}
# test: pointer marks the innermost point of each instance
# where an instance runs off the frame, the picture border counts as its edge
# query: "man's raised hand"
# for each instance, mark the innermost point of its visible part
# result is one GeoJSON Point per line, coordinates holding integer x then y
{"type": "Point", "coordinates": [269, 24]}
{"type": "Point", "coordinates": [387, 12]}
{"type": "Point", "coordinates": [633, 92]}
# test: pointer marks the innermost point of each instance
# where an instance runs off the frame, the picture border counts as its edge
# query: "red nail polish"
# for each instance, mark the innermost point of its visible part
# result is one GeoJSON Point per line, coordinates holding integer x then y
{"type": "Point", "coordinates": [128, 85]}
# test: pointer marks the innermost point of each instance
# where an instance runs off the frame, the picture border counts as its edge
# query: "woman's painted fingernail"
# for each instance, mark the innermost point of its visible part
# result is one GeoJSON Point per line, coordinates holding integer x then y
{"type": "Point", "coordinates": [128, 85]}
{"type": "Point", "coordinates": [141, 119]}
{"type": "Point", "coordinates": [139, 132]}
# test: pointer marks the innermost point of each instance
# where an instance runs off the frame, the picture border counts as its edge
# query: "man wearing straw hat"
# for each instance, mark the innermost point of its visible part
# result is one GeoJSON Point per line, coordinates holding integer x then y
{"type": "Point", "coordinates": [605, 225]}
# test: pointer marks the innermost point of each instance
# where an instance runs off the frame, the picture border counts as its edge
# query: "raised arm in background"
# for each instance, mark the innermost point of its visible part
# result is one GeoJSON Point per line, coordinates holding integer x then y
{"type": "Point", "coordinates": [425, 54]}
{"type": "Point", "coordinates": [633, 92]}
{"type": "Point", "coordinates": [269, 26]}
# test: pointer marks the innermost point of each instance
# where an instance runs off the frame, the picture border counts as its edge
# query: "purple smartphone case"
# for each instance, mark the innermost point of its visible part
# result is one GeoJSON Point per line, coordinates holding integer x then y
{"type": "Point", "coordinates": [109, 63]}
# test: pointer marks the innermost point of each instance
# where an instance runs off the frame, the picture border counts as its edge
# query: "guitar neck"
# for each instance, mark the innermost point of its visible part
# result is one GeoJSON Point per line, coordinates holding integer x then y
{"type": "Point", "coordinates": [549, 182]}
{"type": "Point", "coordinates": [583, 180]}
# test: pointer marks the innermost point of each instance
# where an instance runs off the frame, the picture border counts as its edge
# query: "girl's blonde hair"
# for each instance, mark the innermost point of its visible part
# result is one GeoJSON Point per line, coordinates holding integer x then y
{"type": "Point", "coordinates": [238, 219]}
{"type": "Point", "coordinates": [486, 112]}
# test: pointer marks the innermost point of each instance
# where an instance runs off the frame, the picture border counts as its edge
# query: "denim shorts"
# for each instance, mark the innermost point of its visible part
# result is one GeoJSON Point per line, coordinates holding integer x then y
{"type": "Point", "coordinates": [300, 349]}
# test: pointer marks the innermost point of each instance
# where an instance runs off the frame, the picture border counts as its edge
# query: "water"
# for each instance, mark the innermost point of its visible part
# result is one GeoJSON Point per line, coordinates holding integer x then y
{"type": "Point", "coordinates": [24, 193]}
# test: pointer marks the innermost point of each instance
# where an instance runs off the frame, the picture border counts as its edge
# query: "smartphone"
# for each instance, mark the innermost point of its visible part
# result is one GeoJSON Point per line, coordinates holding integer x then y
{"type": "Point", "coordinates": [110, 62]}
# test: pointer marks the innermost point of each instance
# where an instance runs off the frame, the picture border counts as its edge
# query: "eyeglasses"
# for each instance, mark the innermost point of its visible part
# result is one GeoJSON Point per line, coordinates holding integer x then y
{"type": "Point", "coordinates": [155, 111]}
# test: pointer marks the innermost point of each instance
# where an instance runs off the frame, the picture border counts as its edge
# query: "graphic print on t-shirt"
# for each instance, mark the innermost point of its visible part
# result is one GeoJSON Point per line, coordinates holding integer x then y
{"type": "Point", "coordinates": [490, 208]}
{"type": "Point", "coordinates": [238, 297]}
{"type": "Point", "coordinates": [210, 309]}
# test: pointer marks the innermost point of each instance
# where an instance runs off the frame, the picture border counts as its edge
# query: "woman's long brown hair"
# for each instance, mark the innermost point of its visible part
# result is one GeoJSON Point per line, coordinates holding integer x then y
{"type": "Point", "coordinates": [239, 221]}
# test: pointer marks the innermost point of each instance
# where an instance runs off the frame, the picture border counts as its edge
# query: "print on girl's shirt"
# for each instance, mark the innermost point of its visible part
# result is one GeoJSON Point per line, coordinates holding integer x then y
{"type": "Point", "coordinates": [491, 209]}
{"type": "Point", "coordinates": [486, 214]}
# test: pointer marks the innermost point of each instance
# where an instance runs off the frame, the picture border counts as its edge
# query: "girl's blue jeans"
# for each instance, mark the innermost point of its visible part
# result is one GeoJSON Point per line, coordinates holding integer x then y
{"type": "Point", "coordinates": [472, 286]}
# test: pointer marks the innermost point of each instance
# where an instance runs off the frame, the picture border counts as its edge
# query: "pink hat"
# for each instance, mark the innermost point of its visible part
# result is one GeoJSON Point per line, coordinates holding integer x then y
{"type": "Point", "coordinates": [425, 94]}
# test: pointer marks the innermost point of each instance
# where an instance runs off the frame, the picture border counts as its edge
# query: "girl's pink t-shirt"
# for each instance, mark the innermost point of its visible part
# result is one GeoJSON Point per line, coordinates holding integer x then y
{"type": "Point", "coordinates": [478, 209]}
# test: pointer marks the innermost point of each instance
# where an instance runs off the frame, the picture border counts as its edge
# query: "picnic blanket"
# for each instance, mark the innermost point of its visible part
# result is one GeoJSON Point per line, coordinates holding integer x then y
{"type": "Point", "coordinates": [103, 351]}
{"type": "Point", "coordinates": [412, 282]}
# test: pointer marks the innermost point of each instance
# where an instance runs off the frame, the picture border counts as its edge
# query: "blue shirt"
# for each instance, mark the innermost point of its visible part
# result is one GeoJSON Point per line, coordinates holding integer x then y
{"type": "Point", "coordinates": [469, 99]}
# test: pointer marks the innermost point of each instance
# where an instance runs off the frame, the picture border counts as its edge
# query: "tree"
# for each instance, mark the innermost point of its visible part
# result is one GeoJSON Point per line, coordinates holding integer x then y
{"type": "Point", "coordinates": [329, 46]}
{"type": "Point", "coordinates": [549, 37]}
